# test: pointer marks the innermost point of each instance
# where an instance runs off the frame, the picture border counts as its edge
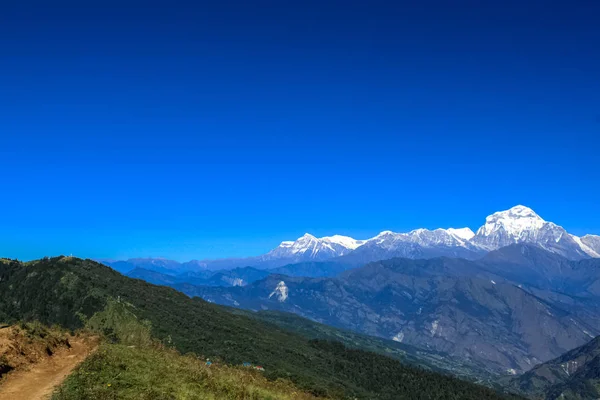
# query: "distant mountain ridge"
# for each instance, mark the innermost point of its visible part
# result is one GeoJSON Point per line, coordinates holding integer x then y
{"type": "Point", "coordinates": [518, 224]}
{"type": "Point", "coordinates": [226, 278]}
{"type": "Point", "coordinates": [514, 308]}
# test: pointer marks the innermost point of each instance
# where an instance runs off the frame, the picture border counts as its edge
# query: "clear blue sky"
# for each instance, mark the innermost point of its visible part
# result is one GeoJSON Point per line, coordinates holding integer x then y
{"type": "Point", "coordinates": [220, 128]}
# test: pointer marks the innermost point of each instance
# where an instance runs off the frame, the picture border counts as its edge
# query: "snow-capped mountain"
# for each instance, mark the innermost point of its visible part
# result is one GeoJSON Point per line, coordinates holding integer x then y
{"type": "Point", "coordinates": [419, 243]}
{"type": "Point", "coordinates": [462, 233]}
{"type": "Point", "coordinates": [386, 244]}
{"type": "Point", "coordinates": [441, 237]}
{"type": "Point", "coordinates": [309, 247]}
{"type": "Point", "coordinates": [521, 224]}
{"type": "Point", "coordinates": [591, 245]}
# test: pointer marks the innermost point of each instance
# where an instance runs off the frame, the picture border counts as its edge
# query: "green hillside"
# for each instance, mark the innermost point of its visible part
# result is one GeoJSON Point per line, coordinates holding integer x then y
{"type": "Point", "coordinates": [123, 372]}
{"type": "Point", "coordinates": [407, 354]}
{"type": "Point", "coordinates": [70, 291]}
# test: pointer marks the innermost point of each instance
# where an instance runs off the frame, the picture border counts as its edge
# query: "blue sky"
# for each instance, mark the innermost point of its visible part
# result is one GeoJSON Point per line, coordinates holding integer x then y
{"type": "Point", "coordinates": [204, 130]}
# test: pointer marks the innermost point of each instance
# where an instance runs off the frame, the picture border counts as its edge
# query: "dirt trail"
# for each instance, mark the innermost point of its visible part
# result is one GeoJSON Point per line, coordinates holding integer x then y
{"type": "Point", "coordinates": [39, 381]}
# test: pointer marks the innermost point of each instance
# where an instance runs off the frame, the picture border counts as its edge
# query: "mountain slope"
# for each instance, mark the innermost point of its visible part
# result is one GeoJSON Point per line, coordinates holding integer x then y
{"type": "Point", "coordinates": [592, 242]}
{"type": "Point", "coordinates": [70, 291]}
{"type": "Point", "coordinates": [574, 375]}
{"type": "Point", "coordinates": [535, 267]}
{"type": "Point", "coordinates": [414, 245]}
{"type": "Point", "coordinates": [153, 277]}
{"type": "Point", "coordinates": [232, 277]}
{"type": "Point", "coordinates": [117, 371]}
{"type": "Point", "coordinates": [313, 269]}
{"type": "Point", "coordinates": [427, 359]}
{"type": "Point", "coordinates": [473, 310]}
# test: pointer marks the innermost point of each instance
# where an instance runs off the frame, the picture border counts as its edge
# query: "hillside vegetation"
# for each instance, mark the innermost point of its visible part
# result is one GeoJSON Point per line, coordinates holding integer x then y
{"type": "Point", "coordinates": [75, 293]}
{"type": "Point", "coordinates": [117, 371]}
{"type": "Point", "coordinates": [407, 354]}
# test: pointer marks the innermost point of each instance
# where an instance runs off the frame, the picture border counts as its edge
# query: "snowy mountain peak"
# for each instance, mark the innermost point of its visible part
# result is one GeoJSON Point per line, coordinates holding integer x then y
{"type": "Point", "coordinates": [345, 241]}
{"type": "Point", "coordinates": [307, 237]}
{"type": "Point", "coordinates": [519, 224]}
{"type": "Point", "coordinates": [386, 238]}
{"type": "Point", "coordinates": [383, 234]}
{"type": "Point", "coordinates": [462, 233]}
{"type": "Point", "coordinates": [590, 244]}
{"type": "Point", "coordinates": [440, 237]}
{"type": "Point", "coordinates": [302, 240]}
{"type": "Point", "coordinates": [520, 211]}
{"type": "Point", "coordinates": [515, 222]}
{"type": "Point", "coordinates": [309, 247]}
{"type": "Point", "coordinates": [516, 212]}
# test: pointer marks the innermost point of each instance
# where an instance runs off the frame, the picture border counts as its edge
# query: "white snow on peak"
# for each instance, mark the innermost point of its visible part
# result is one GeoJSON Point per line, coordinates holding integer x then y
{"type": "Point", "coordinates": [591, 237]}
{"type": "Point", "coordinates": [592, 242]}
{"type": "Point", "coordinates": [521, 224]}
{"type": "Point", "coordinates": [302, 244]}
{"type": "Point", "coordinates": [346, 241]}
{"type": "Point", "coordinates": [587, 249]}
{"type": "Point", "coordinates": [386, 239]}
{"type": "Point", "coordinates": [514, 222]}
{"type": "Point", "coordinates": [309, 246]}
{"type": "Point", "coordinates": [340, 245]}
{"type": "Point", "coordinates": [384, 233]}
{"type": "Point", "coordinates": [280, 291]}
{"type": "Point", "coordinates": [518, 224]}
{"type": "Point", "coordinates": [462, 233]}
{"type": "Point", "coordinates": [438, 237]}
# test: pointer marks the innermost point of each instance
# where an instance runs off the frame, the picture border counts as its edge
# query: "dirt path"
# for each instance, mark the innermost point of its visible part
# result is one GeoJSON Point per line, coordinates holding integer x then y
{"type": "Point", "coordinates": [38, 382]}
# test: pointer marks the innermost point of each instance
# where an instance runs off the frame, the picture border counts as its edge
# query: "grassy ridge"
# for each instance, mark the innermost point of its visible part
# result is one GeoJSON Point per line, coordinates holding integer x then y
{"type": "Point", "coordinates": [118, 371]}
{"type": "Point", "coordinates": [71, 292]}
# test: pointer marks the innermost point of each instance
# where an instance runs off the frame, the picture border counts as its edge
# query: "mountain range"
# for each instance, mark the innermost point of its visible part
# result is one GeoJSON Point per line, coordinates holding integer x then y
{"type": "Point", "coordinates": [516, 297]}
{"type": "Point", "coordinates": [508, 311]}
{"type": "Point", "coordinates": [519, 224]}
{"type": "Point", "coordinates": [518, 292]}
